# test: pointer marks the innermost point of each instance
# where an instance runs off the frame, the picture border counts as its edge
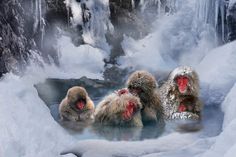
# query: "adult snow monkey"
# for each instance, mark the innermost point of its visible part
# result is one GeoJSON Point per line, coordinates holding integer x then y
{"type": "Point", "coordinates": [120, 108]}
{"type": "Point", "coordinates": [180, 95]}
{"type": "Point", "coordinates": [144, 85]}
{"type": "Point", "coordinates": [76, 106]}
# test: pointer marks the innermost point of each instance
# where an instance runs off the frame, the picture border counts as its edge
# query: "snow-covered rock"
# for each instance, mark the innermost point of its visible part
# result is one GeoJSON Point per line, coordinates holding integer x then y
{"type": "Point", "coordinates": [225, 144]}
{"type": "Point", "coordinates": [217, 73]}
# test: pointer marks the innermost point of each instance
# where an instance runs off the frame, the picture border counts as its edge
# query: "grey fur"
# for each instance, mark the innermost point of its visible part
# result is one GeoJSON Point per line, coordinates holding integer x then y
{"type": "Point", "coordinates": [152, 110]}
{"type": "Point", "coordinates": [171, 97]}
{"type": "Point", "coordinates": [109, 111]}
{"type": "Point", "coordinates": [67, 107]}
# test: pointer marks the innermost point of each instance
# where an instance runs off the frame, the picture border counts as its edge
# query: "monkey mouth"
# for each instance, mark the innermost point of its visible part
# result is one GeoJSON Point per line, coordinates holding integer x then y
{"type": "Point", "coordinates": [130, 111]}
{"type": "Point", "coordinates": [182, 83]}
{"type": "Point", "coordinates": [80, 104]}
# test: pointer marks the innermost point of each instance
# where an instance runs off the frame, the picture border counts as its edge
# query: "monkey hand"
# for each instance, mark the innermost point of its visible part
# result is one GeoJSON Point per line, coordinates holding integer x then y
{"type": "Point", "coordinates": [185, 115]}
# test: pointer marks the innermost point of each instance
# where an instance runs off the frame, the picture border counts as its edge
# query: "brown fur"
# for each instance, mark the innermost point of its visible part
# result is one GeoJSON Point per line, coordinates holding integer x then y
{"type": "Point", "coordinates": [152, 110]}
{"type": "Point", "coordinates": [67, 108]}
{"type": "Point", "coordinates": [171, 97]}
{"type": "Point", "coordinates": [109, 111]}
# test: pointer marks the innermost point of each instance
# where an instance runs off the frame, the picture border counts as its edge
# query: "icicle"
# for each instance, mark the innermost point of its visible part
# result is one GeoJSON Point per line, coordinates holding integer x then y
{"type": "Point", "coordinates": [133, 4]}
{"type": "Point", "coordinates": [159, 7]}
{"type": "Point", "coordinates": [222, 11]}
{"type": "Point", "coordinates": [36, 16]}
{"type": "Point", "coordinates": [216, 12]}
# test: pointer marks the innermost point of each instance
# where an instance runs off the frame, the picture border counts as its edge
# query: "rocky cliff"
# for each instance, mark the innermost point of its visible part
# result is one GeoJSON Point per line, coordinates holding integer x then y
{"type": "Point", "coordinates": [30, 29]}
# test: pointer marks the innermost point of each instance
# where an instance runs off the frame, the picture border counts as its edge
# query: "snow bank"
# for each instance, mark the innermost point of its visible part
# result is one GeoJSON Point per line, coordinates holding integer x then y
{"type": "Point", "coordinates": [217, 73]}
{"type": "Point", "coordinates": [101, 148]}
{"type": "Point", "coordinates": [84, 60]}
{"type": "Point", "coordinates": [225, 144]}
{"type": "Point", "coordinates": [27, 128]}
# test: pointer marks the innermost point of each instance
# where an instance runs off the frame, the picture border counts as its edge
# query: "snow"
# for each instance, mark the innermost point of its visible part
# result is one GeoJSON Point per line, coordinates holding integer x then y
{"type": "Point", "coordinates": [217, 73]}
{"type": "Point", "coordinates": [28, 129]}
{"type": "Point", "coordinates": [232, 3]}
{"type": "Point", "coordinates": [98, 24]}
{"type": "Point", "coordinates": [79, 61]}
{"type": "Point", "coordinates": [175, 40]}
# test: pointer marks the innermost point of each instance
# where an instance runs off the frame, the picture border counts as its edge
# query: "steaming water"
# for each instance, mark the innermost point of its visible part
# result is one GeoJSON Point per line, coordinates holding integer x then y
{"type": "Point", "coordinates": [209, 127]}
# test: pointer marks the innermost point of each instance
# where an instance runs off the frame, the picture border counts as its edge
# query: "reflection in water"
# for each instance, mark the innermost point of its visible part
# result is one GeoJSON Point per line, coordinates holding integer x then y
{"type": "Point", "coordinates": [209, 126]}
{"type": "Point", "coordinates": [114, 133]}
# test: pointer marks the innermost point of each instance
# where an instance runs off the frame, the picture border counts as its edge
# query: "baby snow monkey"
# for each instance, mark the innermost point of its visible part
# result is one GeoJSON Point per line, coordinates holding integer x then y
{"type": "Point", "coordinates": [76, 106]}
{"type": "Point", "coordinates": [120, 108]}
{"type": "Point", "coordinates": [180, 95]}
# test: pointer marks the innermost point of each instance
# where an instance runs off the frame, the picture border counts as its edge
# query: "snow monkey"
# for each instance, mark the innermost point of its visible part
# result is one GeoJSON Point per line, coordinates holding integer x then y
{"type": "Point", "coordinates": [120, 108]}
{"type": "Point", "coordinates": [180, 95]}
{"type": "Point", "coordinates": [144, 85]}
{"type": "Point", "coordinates": [76, 106]}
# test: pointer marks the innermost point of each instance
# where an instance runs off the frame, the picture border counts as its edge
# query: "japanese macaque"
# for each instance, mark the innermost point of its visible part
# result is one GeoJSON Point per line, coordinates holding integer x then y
{"type": "Point", "coordinates": [120, 108]}
{"type": "Point", "coordinates": [76, 106]}
{"type": "Point", "coordinates": [144, 85]}
{"type": "Point", "coordinates": [180, 95]}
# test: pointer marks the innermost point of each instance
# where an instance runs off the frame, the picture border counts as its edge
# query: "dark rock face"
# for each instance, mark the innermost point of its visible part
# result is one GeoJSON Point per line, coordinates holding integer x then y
{"type": "Point", "coordinates": [13, 42]}
{"type": "Point", "coordinates": [125, 19]}
{"type": "Point", "coordinates": [231, 22]}
{"type": "Point", "coordinates": [22, 30]}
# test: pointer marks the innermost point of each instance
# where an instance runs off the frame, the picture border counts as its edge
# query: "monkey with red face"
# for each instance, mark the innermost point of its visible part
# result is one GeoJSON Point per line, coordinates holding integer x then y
{"type": "Point", "coordinates": [144, 85]}
{"type": "Point", "coordinates": [180, 94]}
{"type": "Point", "coordinates": [120, 108]}
{"type": "Point", "coordinates": [76, 106]}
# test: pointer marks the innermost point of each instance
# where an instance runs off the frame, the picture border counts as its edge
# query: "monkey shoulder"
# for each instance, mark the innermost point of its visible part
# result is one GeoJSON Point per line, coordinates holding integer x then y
{"type": "Point", "coordinates": [90, 104]}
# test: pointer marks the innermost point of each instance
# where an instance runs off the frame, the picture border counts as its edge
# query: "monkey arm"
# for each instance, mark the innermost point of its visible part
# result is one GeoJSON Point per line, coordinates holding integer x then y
{"type": "Point", "coordinates": [90, 104]}
{"type": "Point", "coordinates": [67, 113]}
{"type": "Point", "coordinates": [137, 120]}
{"type": "Point", "coordinates": [71, 115]}
{"type": "Point", "coordinates": [184, 115]}
{"type": "Point", "coordinates": [148, 115]}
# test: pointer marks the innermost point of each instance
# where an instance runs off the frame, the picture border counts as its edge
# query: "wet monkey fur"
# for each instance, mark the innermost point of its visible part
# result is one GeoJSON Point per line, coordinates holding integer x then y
{"type": "Point", "coordinates": [76, 106]}
{"type": "Point", "coordinates": [120, 108]}
{"type": "Point", "coordinates": [144, 85]}
{"type": "Point", "coordinates": [180, 94]}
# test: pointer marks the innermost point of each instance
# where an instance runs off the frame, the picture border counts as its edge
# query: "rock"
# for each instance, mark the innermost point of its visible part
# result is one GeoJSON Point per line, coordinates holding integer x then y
{"type": "Point", "coordinates": [126, 21]}
{"type": "Point", "coordinates": [22, 29]}
{"type": "Point", "coordinates": [53, 90]}
{"type": "Point", "coordinates": [116, 74]}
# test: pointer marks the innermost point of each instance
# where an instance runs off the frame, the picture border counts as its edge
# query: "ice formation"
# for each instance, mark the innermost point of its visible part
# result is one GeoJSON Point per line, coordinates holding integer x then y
{"type": "Point", "coordinates": [93, 16]}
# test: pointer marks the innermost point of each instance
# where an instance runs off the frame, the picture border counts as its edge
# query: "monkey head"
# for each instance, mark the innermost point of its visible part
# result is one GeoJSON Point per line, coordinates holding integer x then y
{"type": "Point", "coordinates": [77, 98]}
{"type": "Point", "coordinates": [142, 84]}
{"type": "Point", "coordinates": [185, 81]}
{"type": "Point", "coordinates": [120, 108]}
{"type": "Point", "coordinates": [129, 104]}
